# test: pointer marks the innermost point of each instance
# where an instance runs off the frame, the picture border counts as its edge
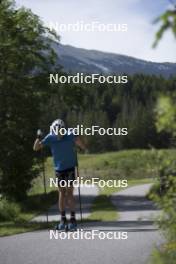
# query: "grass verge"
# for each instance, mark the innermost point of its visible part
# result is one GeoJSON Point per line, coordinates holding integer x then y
{"type": "Point", "coordinates": [11, 228]}
{"type": "Point", "coordinates": [128, 165]}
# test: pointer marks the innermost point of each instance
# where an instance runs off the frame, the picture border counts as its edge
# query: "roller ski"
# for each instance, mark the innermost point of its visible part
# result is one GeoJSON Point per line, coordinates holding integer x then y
{"type": "Point", "coordinates": [62, 226]}
{"type": "Point", "coordinates": [72, 226]}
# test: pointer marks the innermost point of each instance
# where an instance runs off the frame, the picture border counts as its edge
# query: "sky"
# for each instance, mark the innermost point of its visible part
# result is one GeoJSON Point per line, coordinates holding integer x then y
{"type": "Point", "coordinates": [138, 14]}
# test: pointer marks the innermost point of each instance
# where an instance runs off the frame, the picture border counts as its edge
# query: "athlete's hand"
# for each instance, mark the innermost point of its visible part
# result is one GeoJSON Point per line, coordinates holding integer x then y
{"type": "Point", "coordinates": [39, 134]}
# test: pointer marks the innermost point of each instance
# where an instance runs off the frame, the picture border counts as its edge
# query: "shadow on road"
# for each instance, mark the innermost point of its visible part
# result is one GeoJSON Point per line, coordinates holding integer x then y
{"type": "Point", "coordinates": [128, 226]}
{"type": "Point", "coordinates": [133, 203]}
{"type": "Point", "coordinates": [86, 201]}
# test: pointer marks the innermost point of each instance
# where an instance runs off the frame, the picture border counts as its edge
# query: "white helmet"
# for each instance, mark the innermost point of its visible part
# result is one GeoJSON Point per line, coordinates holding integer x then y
{"type": "Point", "coordinates": [56, 126]}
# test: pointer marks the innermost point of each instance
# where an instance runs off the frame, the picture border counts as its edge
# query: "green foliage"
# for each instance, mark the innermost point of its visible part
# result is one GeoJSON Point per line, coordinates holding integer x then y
{"type": "Point", "coordinates": [165, 193]}
{"type": "Point", "coordinates": [131, 164]}
{"type": "Point", "coordinates": [165, 196]}
{"type": "Point", "coordinates": [25, 61]}
{"type": "Point", "coordinates": [9, 211]}
{"type": "Point", "coordinates": [168, 21]}
{"type": "Point", "coordinates": [165, 255]}
{"type": "Point", "coordinates": [166, 115]}
{"type": "Point", "coordinates": [130, 106]}
{"type": "Point", "coordinates": [28, 101]}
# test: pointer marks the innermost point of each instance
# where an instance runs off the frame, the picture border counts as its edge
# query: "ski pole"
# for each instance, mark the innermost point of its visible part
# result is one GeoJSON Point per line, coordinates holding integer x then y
{"type": "Point", "coordinates": [39, 135]}
{"type": "Point", "coordinates": [79, 191]}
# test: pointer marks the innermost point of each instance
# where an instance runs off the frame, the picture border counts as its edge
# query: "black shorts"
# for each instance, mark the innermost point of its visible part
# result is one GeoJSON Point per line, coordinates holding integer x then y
{"type": "Point", "coordinates": [66, 177]}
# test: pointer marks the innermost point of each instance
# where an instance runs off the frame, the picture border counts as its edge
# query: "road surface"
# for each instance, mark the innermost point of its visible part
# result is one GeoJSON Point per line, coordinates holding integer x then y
{"type": "Point", "coordinates": [88, 194]}
{"type": "Point", "coordinates": [135, 211]}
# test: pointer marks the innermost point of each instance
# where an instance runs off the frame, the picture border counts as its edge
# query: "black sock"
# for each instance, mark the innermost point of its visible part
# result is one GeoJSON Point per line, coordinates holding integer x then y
{"type": "Point", "coordinates": [63, 217]}
{"type": "Point", "coordinates": [72, 215]}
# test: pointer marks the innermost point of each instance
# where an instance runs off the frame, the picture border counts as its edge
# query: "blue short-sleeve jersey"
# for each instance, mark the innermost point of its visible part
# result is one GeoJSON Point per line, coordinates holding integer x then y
{"type": "Point", "coordinates": [63, 150]}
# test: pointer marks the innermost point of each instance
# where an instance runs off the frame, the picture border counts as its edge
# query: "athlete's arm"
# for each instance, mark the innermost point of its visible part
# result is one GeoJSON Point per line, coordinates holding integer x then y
{"type": "Point", "coordinates": [37, 145]}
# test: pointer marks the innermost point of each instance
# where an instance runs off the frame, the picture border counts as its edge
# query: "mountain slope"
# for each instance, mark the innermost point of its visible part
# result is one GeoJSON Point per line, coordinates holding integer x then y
{"type": "Point", "coordinates": [92, 61]}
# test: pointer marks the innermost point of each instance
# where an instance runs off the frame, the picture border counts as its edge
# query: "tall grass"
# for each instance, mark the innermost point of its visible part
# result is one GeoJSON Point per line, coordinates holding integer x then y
{"type": "Point", "coordinates": [9, 211]}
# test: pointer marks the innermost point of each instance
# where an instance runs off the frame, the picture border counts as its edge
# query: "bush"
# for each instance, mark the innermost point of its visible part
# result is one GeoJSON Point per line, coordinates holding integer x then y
{"type": "Point", "coordinates": [164, 255]}
{"type": "Point", "coordinates": [23, 83]}
{"type": "Point", "coordinates": [9, 210]}
{"type": "Point", "coordinates": [165, 196]}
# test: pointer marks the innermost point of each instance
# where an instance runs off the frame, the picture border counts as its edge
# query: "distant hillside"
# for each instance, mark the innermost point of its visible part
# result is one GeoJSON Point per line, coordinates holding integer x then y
{"type": "Point", "coordinates": [93, 61]}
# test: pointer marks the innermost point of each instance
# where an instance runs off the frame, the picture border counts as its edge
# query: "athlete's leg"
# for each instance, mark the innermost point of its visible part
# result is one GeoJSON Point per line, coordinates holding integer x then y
{"type": "Point", "coordinates": [71, 203]}
{"type": "Point", "coordinates": [70, 199]}
{"type": "Point", "coordinates": [61, 204]}
{"type": "Point", "coordinates": [62, 199]}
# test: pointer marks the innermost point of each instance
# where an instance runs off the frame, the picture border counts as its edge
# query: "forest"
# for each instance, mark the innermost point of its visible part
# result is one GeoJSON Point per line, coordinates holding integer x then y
{"type": "Point", "coordinates": [130, 105]}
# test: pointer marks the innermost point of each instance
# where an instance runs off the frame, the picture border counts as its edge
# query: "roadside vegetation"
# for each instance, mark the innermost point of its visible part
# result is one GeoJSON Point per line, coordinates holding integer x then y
{"type": "Point", "coordinates": [146, 105]}
{"type": "Point", "coordinates": [15, 216]}
{"type": "Point", "coordinates": [164, 195]}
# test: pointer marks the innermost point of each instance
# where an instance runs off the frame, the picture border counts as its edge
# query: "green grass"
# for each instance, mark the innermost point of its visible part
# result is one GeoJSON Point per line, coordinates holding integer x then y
{"type": "Point", "coordinates": [11, 228]}
{"type": "Point", "coordinates": [102, 209]}
{"type": "Point", "coordinates": [166, 254]}
{"type": "Point", "coordinates": [132, 182]}
{"type": "Point", "coordinates": [32, 206]}
{"type": "Point", "coordinates": [130, 164]}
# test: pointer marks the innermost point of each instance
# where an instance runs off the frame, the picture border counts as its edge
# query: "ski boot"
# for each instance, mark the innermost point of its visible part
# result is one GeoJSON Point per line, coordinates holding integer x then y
{"type": "Point", "coordinates": [72, 226]}
{"type": "Point", "coordinates": [62, 226]}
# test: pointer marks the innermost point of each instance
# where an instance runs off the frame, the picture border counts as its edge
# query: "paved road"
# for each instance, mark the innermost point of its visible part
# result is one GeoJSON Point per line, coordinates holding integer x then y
{"type": "Point", "coordinates": [37, 247]}
{"type": "Point", "coordinates": [132, 204]}
{"type": "Point", "coordinates": [88, 194]}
